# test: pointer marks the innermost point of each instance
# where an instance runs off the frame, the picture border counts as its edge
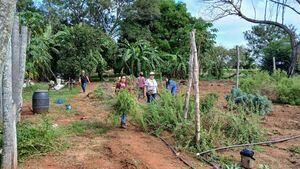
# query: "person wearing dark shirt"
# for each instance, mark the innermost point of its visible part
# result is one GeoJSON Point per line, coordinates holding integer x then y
{"type": "Point", "coordinates": [83, 80]}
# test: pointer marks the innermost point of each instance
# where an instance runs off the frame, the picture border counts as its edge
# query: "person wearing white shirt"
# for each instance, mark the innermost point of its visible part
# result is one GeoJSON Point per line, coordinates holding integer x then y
{"type": "Point", "coordinates": [150, 89]}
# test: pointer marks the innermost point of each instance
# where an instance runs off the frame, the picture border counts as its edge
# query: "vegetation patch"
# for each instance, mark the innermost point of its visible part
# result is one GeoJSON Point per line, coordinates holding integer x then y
{"type": "Point", "coordinates": [37, 139]}
{"type": "Point", "coordinates": [294, 149]}
{"type": "Point", "coordinates": [237, 99]}
{"type": "Point", "coordinates": [277, 86]}
{"type": "Point", "coordinates": [83, 127]}
{"type": "Point", "coordinates": [217, 127]}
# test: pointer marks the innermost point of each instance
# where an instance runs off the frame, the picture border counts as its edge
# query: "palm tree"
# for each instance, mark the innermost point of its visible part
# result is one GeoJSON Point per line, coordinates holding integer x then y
{"type": "Point", "coordinates": [39, 54]}
{"type": "Point", "coordinates": [140, 56]}
{"type": "Point", "coordinates": [175, 65]}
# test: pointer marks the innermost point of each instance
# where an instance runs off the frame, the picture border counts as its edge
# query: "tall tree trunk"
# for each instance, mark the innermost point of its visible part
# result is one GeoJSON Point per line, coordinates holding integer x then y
{"type": "Point", "coordinates": [7, 10]}
{"type": "Point", "coordinates": [190, 81]}
{"type": "Point", "coordinates": [238, 66]}
{"type": "Point", "coordinates": [294, 58]}
{"type": "Point", "coordinates": [9, 153]}
{"type": "Point", "coordinates": [22, 63]}
{"type": "Point", "coordinates": [15, 61]}
{"type": "Point", "coordinates": [196, 88]}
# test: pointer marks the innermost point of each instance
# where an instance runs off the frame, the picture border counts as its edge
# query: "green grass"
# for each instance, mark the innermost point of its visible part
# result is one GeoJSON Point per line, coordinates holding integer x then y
{"type": "Point", "coordinates": [83, 127]}
{"type": "Point", "coordinates": [38, 139]}
{"type": "Point", "coordinates": [294, 149]}
{"type": "Point", "coordinates": [64, 93]}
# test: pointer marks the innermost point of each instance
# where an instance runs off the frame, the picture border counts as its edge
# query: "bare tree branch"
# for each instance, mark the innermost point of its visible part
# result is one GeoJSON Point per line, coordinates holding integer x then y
{"type": "Point", "coordinates": [286, 5]}
{"type": "Point", "coordinates": [266, 6]}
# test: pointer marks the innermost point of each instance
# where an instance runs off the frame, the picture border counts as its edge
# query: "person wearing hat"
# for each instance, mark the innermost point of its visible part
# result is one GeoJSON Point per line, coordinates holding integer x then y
{"type": "Point", "coordinates": [83, 79]}
{"type": "Point", "coordinates": [150, 89]}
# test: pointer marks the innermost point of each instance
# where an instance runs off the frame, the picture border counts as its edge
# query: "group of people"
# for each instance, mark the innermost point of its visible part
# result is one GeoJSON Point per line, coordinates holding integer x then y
{"type": "Point", "coordinates": [148, 87]}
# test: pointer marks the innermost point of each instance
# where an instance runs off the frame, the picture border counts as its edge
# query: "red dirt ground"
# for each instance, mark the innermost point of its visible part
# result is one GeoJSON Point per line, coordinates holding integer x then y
{"type": "Point", "coordinates": [133, 149]}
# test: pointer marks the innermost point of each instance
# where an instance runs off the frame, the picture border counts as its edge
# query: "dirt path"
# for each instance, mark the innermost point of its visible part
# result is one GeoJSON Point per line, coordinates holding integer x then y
{"type": "Point", "coordinates": [118, 149]}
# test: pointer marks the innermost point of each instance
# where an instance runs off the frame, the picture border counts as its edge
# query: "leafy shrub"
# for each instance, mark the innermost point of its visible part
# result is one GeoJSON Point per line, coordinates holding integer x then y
{"type": "Point", "coordinates": [166, 114]}
{"type": "Point", "coordinates": [208, 102]}
{"type": "Point", "coordinates": [247, 102]}
{"type": "Point", "coordinates": [33, 139]}
{"type": "Point", "coordinates": [277, 87]}
{"type": "Point", "coordinates": [288, 91]}
{"type": "Point", "coordinates": [125, 102]}
{"type": "Point", "coordinates": [255, 83]}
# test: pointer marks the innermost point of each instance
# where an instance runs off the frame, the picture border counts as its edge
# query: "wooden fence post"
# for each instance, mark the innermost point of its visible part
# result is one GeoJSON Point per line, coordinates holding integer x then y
{"type": "Point", "coordinates": [190, 80]}
{"type": "Point", "coordinates": [238, 66]}
{"type": "Point", "coordinates": [196, 88]}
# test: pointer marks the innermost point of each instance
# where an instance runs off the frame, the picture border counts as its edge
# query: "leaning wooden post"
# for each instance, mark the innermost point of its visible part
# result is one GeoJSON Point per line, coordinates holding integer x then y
{"type": "Point", "coordinates": [190, 81]}
{"type": "Point", "coordinates": [274, 65]}
{"type": "Point", "coordinates": [196, 88]}
{"type": "Point", "coordinates": [22, 63]}
{"type": "Point", "coordinates": [237, 66]}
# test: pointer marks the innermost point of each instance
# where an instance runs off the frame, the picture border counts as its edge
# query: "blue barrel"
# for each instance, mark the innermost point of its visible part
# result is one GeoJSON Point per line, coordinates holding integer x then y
{"type": "Point", "coordinates": [40, 101]}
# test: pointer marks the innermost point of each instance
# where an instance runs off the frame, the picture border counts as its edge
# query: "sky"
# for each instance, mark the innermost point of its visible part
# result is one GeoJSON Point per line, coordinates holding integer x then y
{"type": "Point", "coordinates": [231, 28]}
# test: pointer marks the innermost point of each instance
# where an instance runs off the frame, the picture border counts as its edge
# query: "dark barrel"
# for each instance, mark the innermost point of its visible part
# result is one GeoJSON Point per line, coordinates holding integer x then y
{"type": "Point", "coordinates": [40, 101]}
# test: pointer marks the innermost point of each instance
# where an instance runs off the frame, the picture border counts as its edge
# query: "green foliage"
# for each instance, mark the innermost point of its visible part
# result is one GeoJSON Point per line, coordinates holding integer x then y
{"type": "Point", "coordinates": [83, 127]}
{"type": "Point", "coordinates": [84, 48]}
{"type": "Point", "coordinates": [38, 61]}
{"type": "Point", "coordinates": [288, 90]}
{"type": "Point", "coordinates": [254, 84]}
{"type": "Point", "coordinates": [247, 102]}
{"type": "Point", "coordinates": [263, 166]}
{"type": "Point", "coordinates": [140, 56]}
{"type": "Point", "coordinates": [125, 102]}
{"type": "Point", "coordinates": [277, 86]}
{"type": "Point", "coordinates": [98, 93]}
{"type": "Point", "coordinates": [216, 127]}
{"type": "Point", "coordinates": [208, 102]}
{"type": "Point", "coordinates": [35, 139]}
{"type": "Point", "coordinates": [164, 114]}
{"type": "Point", "coordinates": [233, 166]}
{"type": "Point", "coordinates": [294, 149]}
{"type": "Point", "coordinates": [281, 50]}
{"type": "Point", "coordinates": [166, 25]}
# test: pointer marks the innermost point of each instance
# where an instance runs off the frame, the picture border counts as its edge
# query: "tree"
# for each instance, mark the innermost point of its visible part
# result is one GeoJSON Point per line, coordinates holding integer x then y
{"type": "Point", "coordinates": [82, 47]}
{"type": "Point", "coordinates": [280, 50]}
{"type": "Point", "coordinates": [103, 14]}
{"type": "Point", "coordinates": [260, 36]}
{"type": "Point", "coordinates": [213, 62]}
{"type": "Point", "coordinates": [9, 155]}
{"type": "Point", "coordinates": [140, 56]}
{"type": "Point", "coordinates": [274, 14]}
{"type": "Point", "coordinates": [266, 42]}
{"type": "Point", "coordinates": [165, 24]}
{"type": "Point", "coordinates": [246, 61]}
{"type": "Point", "coordinates": [39, 54]}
